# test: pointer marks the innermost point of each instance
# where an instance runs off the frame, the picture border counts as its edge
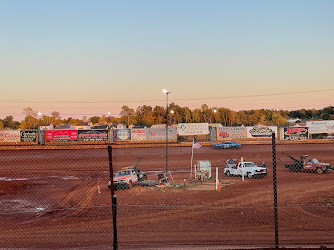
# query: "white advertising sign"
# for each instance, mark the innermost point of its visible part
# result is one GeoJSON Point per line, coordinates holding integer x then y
{"type": "Point", "coordinates": [138, 134]}
{"type": "Point", "coordinates": [261, 131]}
{"type": "Point", "coordinates": [320, 127]}
{"type": "Point", "coordinates": [193, 129]}
{"type": "Point", "coordinates": [9, 136]}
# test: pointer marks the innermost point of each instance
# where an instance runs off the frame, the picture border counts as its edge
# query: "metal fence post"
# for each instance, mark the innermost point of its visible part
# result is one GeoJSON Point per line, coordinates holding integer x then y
{"type": "Point", "coordinates": [113, 198]}
{"type": "Point", "coordinates": [275, 189]}
{"type": "Point", "coordinates": [111, 172]}
{"type": "Point", "coordinates": [114, 211]}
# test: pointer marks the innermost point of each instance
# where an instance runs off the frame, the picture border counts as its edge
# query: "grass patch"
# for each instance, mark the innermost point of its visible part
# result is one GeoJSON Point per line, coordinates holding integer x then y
{"type": "Point", "coordinates": [326, 198]}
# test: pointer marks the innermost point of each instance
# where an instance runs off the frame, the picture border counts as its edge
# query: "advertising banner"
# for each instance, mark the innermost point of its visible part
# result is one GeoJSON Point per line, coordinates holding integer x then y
{"type": "Point", "coordinates": [123, 134]}
{"type": "Point", "coordinates": [158, 134]}
{"type": "Point", "coordinates": [9, 136]}
{"type": "Point", "coordinates": [320, 127]}
{"type": "Point", "coordinates": [93, 135]}
{"type": "Point", "coordinates": [231, 133]}
{"type": "Point", "coordinates": [261, 131]}
{"type": "Point", "coordinates": [29, 135]}
{"type": "Point", "coordinates": [295, 133]}
{"type": "Point", "coordinates": [193, 129]}
{"type": "Point", "coordinates": [61, 135]}
{"type": "Point", "coordinates": [112, 135]}
{"type": "Point", "coordinates": [138, 134]}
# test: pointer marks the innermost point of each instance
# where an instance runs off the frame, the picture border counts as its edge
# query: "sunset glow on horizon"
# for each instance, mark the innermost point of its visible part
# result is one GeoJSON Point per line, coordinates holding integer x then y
{"type": "Point", "coordinates": [91, 58]}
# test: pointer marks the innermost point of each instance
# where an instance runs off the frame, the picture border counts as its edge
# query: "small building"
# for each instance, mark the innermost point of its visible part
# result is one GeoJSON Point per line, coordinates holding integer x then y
{"type": "Point", "coordinates": [83, 125]}
{"type": "Point", "coordinates": [158, 126]}
{"type": "Point", "coordinates": [121, 126]}
{"type": "Point", "coordinates": [138, 125]}
{"type": "Point", "coordinates": [104, 127]}
{"type": "Point", "coordinates": [298, 122]}
{"type": "Point", "coordinates": [215, 125]}
{"type": "Point", "coordinates": [65, 126]}
{"type": "Point", "coordinates": [46, 126]}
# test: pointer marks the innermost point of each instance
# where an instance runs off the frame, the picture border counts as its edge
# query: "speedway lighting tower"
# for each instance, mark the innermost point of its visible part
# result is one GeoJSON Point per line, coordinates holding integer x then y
{"type": "Point", "coordinates": [167, 93]}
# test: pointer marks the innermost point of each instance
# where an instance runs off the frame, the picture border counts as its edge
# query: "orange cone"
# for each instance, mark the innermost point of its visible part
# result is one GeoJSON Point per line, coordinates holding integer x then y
{"type": "Point", "coordinates": [218, 185]}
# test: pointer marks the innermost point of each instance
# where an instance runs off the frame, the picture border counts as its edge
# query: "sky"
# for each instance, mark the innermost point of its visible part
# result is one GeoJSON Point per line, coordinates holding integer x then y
{"type": "Point", "coordinates": [86, 58]}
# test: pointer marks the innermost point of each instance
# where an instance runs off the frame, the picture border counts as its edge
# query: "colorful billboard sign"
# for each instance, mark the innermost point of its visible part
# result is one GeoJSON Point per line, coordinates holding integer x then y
{"type": "Point", "coordinates": [158, 134]}
{"type": "Point", "coordinates": [61, 135]}
{"type": "Point", "coordinates": [93, 135]}
{"type": "Point", "coordinates": [261, 131]}
{"type": "Point", "coordinates": [295, 133]}
{"type": "Point", "coordinates": [193, 129]}
{"type": "Point", "coordinates": [9, 136]}
{"type": "Point", "coordinates": [29, 135]}
{"type": "Point", "coordinates": [138, 134]}
{"type": "Point", "coordinates": [123, 134]}
{"type": "Point", "coordinates": [224, 133]}
{"type": "Point", "coordinates": [320, 127]}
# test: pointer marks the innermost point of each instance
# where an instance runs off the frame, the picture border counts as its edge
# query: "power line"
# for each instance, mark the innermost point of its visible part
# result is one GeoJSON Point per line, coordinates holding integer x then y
{"type": "Point", "coordinates": [180, 99]}
{"type": "Point", "coordinates": [257, 95]}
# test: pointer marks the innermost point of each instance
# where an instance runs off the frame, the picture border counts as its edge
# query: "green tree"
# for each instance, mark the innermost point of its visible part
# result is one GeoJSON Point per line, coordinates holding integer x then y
{"type": "Point", "coordinates": [103, 120]}
{"type": "Point", "coordinates": [31, 118]}
{"type": "Point", "coordinates": [159, 113]}
{"type": "Point", "coordinates": [94, 119]}
{"type": "Point", "coordinates": [144, 115]}
{"type": "Point", "coordinates": [127, 115]}
{"type": "Point", "coordinates": [1, 124]}
{"type": "Point", "coordinates": [197, 116]}
{"type": "Point", "coordinates": [8, 121]}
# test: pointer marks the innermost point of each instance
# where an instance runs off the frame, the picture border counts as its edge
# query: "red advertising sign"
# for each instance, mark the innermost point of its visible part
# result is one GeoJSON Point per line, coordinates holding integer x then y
{"type": "Point", "coordinates": [61, 135]}
{"type": "Point", "coordinates": [296, 131]}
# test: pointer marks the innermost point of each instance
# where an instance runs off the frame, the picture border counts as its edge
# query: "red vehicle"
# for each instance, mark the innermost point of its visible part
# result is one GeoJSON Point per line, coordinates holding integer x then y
{"type": "Point", "coordinates": [306, 164]}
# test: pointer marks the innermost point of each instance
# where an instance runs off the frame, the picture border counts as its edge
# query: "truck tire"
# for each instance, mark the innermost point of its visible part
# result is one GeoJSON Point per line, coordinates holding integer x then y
{"type": "Point", "coordinates": [130, 184]}
{"type": "Point", "coordinates": [228, 173]}
{"type": "Point", "coordinates": [319, 171]}
{"type": "Point", "coordinates": [249, 175]}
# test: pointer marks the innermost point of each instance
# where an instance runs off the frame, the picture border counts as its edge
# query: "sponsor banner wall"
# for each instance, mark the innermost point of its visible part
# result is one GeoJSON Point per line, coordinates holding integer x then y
{"type": "Point", "coordinates": [193, 129]}
{"type": "Point", "coordinates": [261, 131]}
{"type": "Point", "coordinates": [231, 133]}
{"type": "Point", "coordinates": [29, 135]}
{"type": "Point", "coordinates": [320, 127]}
{"type": "Point", "coordinates": [61, 135]}
{"type": "Point", "coordinates": [138, 134]}
{"type": "Point", "coordinates": [158, 134]}
{"type": "Point", "coordinates": [93, 135]}
{"type": "Point", "coordinates": [295, 133]}
{"type": "Point", "coordinates": [9, 136]}
{"type": "Point", "coordinates": [123, 134]}
{"type": "Point", "coordinates": [112, 134]}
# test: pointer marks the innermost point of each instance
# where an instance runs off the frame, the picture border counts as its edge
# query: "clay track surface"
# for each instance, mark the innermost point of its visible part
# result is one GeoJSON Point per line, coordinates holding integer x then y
{"type": "Point", "coordinates": [59, 198]}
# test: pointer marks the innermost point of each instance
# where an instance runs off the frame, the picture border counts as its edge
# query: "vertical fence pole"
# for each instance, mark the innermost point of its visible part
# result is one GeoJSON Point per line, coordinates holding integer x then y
{"type": "Point", "coordinates": [111, 172]}
{"type": "Point", "coordinates": [113, 198]}
{"type": "Point", "coordinates": [217, 178]}
{"type": "Point", "coordinates": [275, 190]}
{"type": "Point", "coordinates": [114, 211]}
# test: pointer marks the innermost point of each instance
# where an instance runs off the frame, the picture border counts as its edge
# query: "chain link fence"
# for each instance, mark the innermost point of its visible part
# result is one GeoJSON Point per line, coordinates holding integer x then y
{"type": "Point", "coordinates": [60, 195]}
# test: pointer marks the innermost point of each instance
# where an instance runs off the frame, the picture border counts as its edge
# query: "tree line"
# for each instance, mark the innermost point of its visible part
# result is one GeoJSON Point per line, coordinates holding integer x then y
{"type": "Point", "coordinates": [147, 115]}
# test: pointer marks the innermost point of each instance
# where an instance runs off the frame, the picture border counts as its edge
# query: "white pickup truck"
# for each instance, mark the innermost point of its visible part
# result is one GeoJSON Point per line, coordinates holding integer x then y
{"type": "Point", "coordinates": [246, 168]}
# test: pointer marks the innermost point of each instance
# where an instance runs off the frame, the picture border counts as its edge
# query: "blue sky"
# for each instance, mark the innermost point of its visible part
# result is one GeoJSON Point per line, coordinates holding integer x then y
{"type": "Point", "coordinates": [92, 57]}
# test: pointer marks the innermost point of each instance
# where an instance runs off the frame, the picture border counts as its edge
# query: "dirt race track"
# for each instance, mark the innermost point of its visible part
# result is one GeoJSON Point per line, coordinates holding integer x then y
{"type": "Point", "coordinates": [59, 199]}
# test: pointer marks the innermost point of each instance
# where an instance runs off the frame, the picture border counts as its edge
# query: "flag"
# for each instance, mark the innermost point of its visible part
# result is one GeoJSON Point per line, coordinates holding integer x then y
{"type": "Point", "coordinates": [196, 145]}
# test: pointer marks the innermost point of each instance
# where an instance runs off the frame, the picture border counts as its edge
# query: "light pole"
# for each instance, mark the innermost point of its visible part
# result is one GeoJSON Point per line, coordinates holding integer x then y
{"type": "Point", "coordinates": [166, 92]}
{"type": "Point", "coordinates": [214, 115]}
{"type": "Point", "coordinates": [172, 112]}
